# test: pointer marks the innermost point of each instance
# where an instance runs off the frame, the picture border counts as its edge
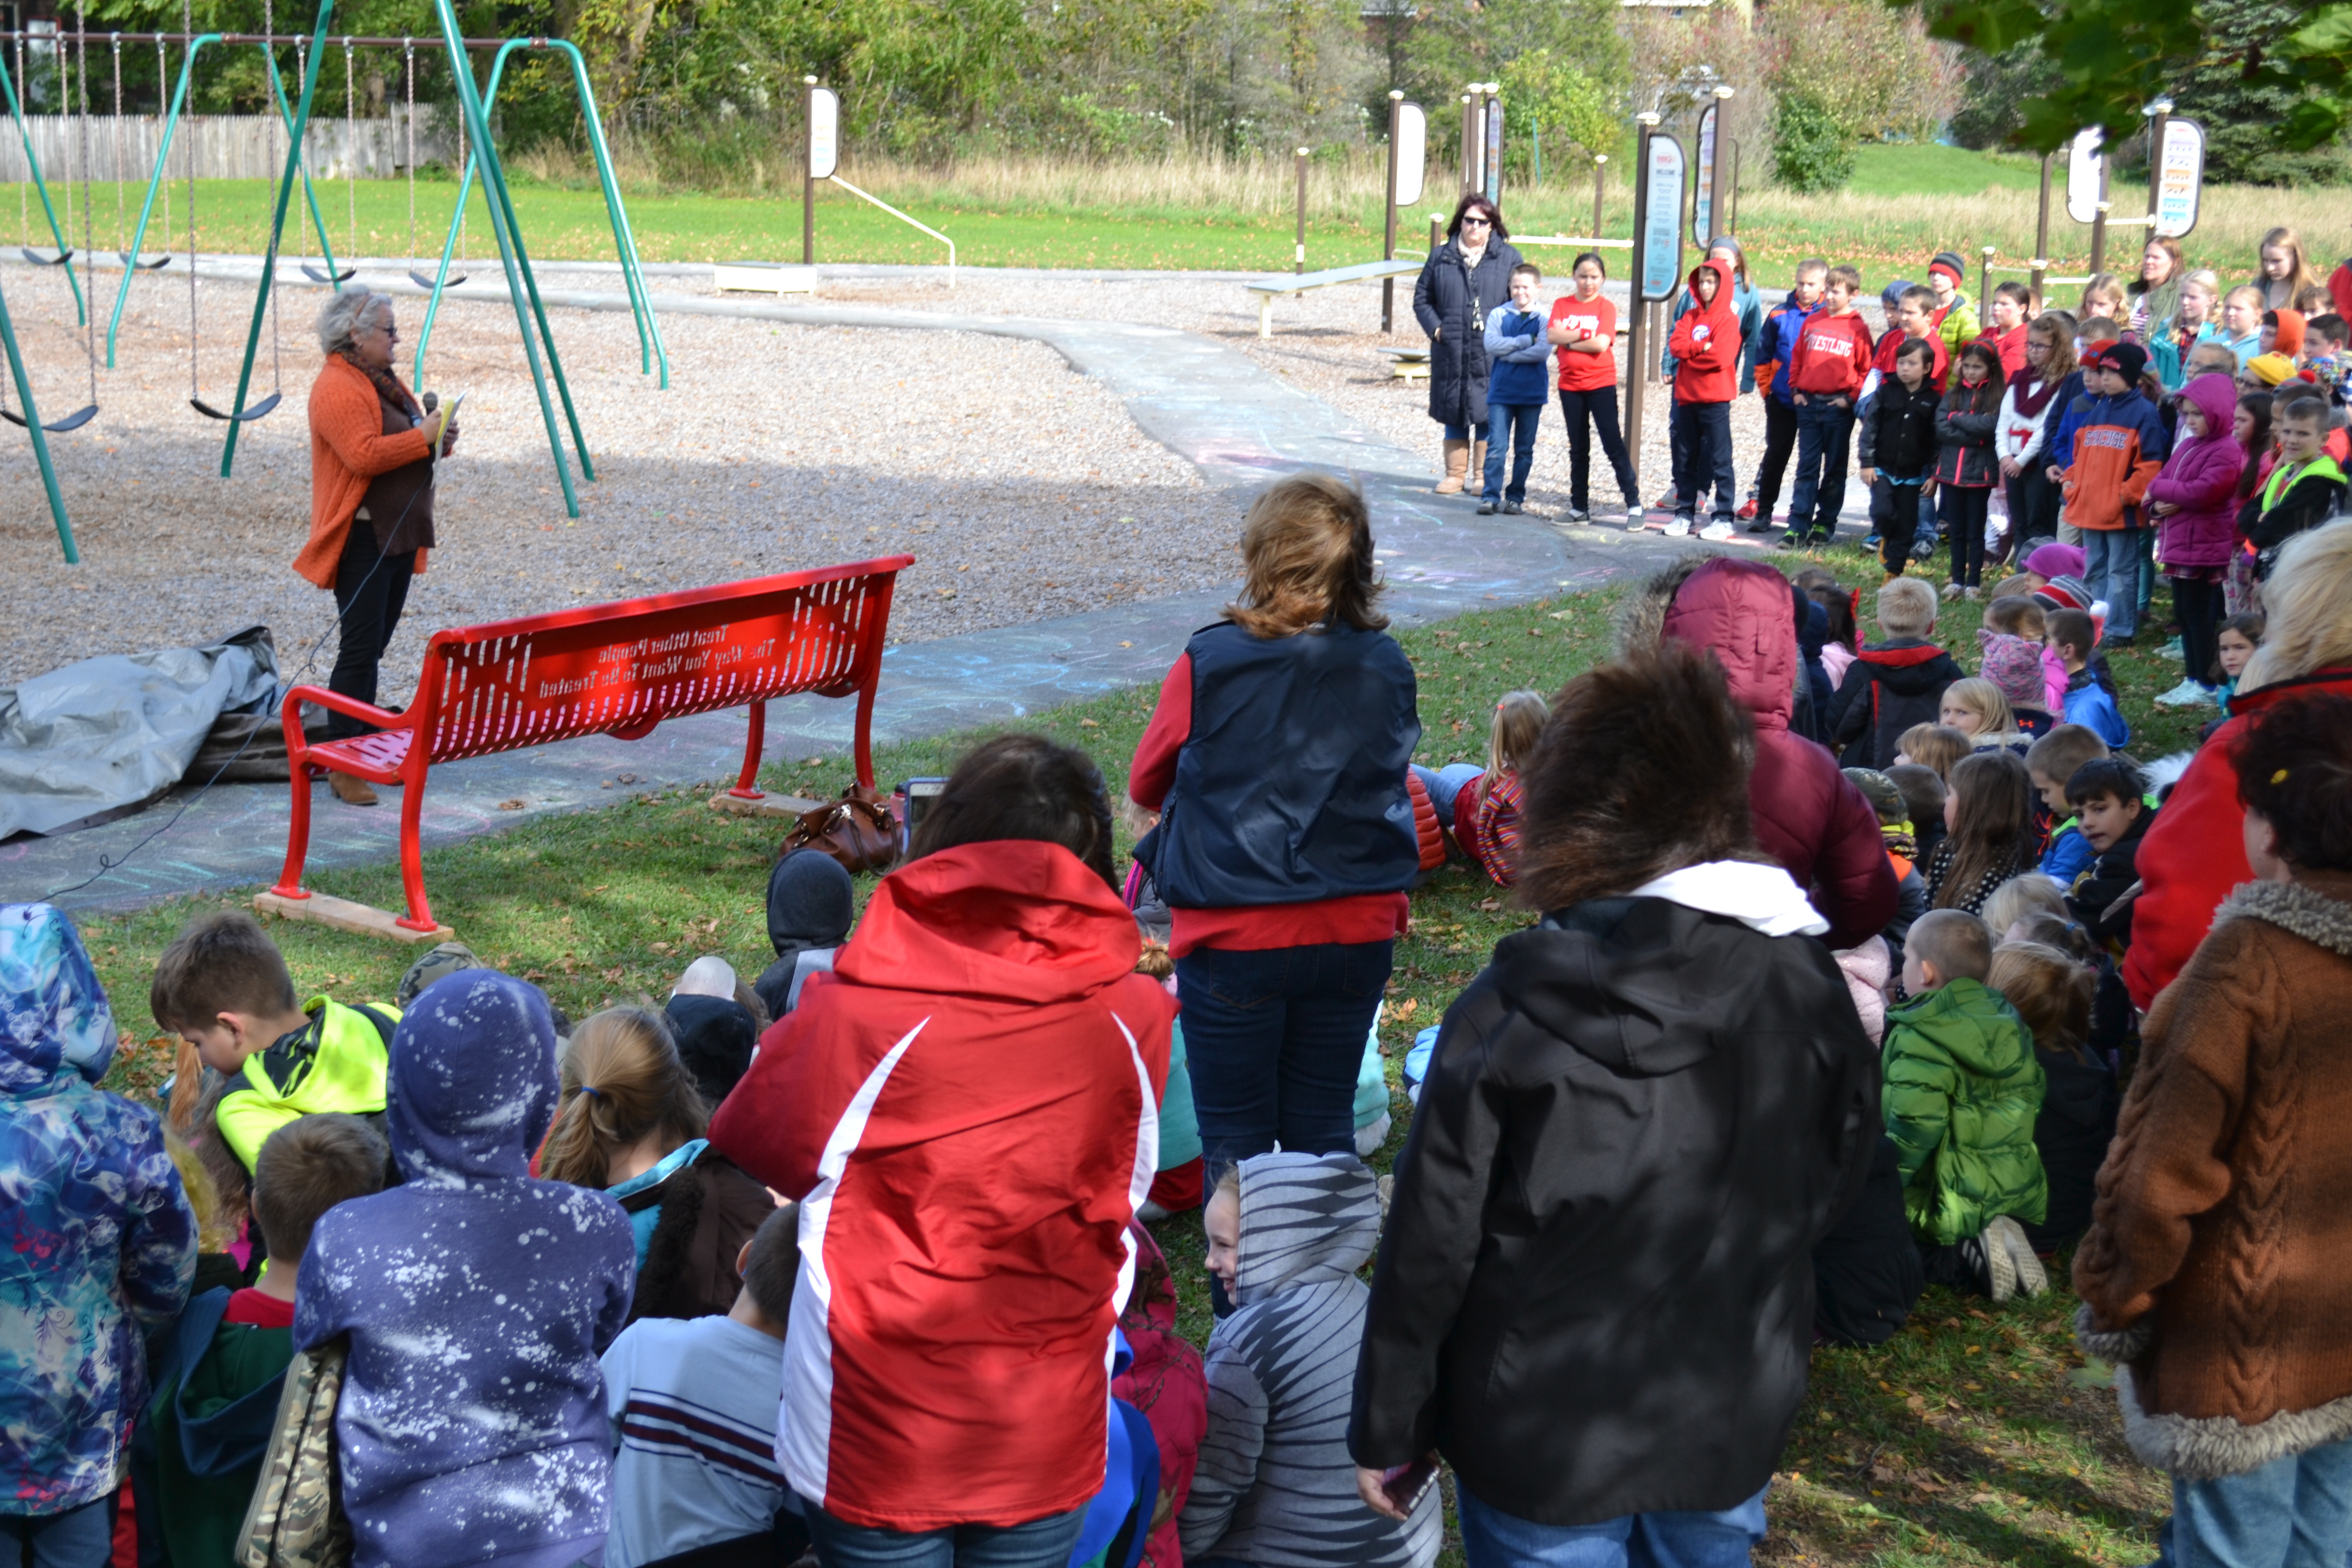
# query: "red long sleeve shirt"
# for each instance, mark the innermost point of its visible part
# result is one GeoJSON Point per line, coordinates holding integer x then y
{"type": "Point", "coordinates": [1832, 356]}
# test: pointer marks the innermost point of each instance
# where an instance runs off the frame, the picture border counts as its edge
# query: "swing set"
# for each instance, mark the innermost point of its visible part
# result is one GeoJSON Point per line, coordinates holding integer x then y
{"type": "Point", "coordinates": [478, 155]}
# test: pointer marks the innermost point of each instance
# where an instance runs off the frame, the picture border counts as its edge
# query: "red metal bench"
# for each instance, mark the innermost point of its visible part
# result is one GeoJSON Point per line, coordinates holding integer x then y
{"type": "Point", "coordinates": [604, 669]}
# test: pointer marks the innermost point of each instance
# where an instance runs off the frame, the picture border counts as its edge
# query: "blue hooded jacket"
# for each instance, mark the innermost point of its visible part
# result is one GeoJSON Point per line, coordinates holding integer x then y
{"type": "Point", "coordinates": [472, 1426]}
{"type": "Point", "coordinates": [98, 1243]}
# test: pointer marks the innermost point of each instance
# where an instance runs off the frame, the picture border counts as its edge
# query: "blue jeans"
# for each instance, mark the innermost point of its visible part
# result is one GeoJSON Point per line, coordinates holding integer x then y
{"type": "Point", "coordinates": [2111, 571]}
{"type": "Point", "coordinates": [2292, 1512]}
{"type": "Point", "coordinates": [1511, 424]}
{"type": "Point", "coordinates": [1494, 1539]}
{"type": "Point", "coordinates": [1445, 785]}
{"type": "Point", "coordinates": [1274, 1039]}
{"type": "Point", "coordinates": [1040, 1543]}
{"type": "Point", "coordinates": [1824, 438]}
{"type": "Point", "coordinates": [78, 1538]}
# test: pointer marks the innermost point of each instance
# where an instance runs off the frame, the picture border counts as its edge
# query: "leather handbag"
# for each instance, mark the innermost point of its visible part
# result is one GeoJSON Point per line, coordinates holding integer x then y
{"type": "Point", "coordinates": [295, 1519]}
{"type": "Point", "coordinates": [856, 830]}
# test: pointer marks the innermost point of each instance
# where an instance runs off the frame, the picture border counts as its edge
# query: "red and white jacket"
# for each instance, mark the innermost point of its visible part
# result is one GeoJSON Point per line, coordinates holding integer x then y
{"type": "Point", "coordinates": [967, 1109]}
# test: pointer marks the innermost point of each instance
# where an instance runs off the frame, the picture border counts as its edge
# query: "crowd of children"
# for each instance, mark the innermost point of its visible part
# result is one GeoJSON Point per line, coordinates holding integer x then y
{"type": "Point", "coordinates": [2170, 430]}
{"type": "Point", "coordinates": [849, 1263]}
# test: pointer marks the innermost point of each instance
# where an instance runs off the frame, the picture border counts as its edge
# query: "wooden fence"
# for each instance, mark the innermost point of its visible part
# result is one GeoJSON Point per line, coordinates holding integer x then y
{"type": "Point", "coordinates": [226, 146]}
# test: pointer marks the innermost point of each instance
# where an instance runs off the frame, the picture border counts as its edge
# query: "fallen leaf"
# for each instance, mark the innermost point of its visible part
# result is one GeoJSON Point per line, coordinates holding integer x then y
{"type": "Point", "coordinates": [512, 804]}
{"type": "Point", "coordinates": [1088, 724]}
{"type": "Point", "coordinates": [1490, 905]}
{"type": "Point", "coordinates": [1916, 1402]}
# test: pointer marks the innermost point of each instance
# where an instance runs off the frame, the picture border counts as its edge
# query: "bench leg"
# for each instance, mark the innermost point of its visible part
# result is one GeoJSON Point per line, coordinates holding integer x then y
{"type": "Point", "coordinates": [1265, 316]}
{"type": "Point", "coordinates": [412, 854]}
{"type": "Point", "coordinates": [298, 832]}
{"type": "Point", "coordinates": [747, 787]}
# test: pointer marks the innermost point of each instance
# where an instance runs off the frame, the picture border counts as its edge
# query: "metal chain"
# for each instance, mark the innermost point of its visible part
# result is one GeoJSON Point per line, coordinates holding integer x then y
{"type": "Point", "coordinates": [89, 262]}
{"type": "Point", "coordinates": [351, 147]}
{"type": "Point", "coordinates": [408, 53]}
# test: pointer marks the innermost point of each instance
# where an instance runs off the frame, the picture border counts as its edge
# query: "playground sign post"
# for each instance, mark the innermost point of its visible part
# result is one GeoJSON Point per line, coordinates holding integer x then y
{"type": "Point", "coordinates": [1657, 251]}
{"type": "Point", "coordinates": [1407, 163]}
{"type": "Point", "coordinates": [823, 122]}
{"type": "Point", "coordinates": [2178, 176]}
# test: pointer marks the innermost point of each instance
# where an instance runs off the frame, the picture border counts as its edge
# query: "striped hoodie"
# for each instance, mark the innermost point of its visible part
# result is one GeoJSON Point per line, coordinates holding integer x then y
{"type": "Point", "coordinates": [1275, 1487]}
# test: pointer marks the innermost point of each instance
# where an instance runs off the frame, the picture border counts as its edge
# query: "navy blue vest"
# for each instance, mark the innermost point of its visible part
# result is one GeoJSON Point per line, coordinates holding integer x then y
{"type": "Point", "coordinates": [1291, 788]}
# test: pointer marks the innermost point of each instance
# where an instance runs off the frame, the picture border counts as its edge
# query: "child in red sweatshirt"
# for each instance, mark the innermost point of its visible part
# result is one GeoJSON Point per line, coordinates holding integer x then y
{"type": "Point", "coordinates": [1825, 374]}
{"type": "Point", "coordinates": [1706, 346]}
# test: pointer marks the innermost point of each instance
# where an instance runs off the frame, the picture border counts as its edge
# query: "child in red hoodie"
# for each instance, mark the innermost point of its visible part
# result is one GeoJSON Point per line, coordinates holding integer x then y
{"type": "Point", "coordinates": [1706, 346]}
{"type": "Point", "coordinates": [1825, 374]}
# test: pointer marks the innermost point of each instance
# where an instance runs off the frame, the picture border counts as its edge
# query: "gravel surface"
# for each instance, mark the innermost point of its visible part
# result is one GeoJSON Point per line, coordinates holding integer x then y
{"type": "Point", "coordinates": [1021, 488]}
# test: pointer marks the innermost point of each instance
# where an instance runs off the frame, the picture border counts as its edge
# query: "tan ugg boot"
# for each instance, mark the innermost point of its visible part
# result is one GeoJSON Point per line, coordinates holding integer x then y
{"type": "Point", "coordinates": [1478, 467]}
{"type": "Point", "coordinates": [1457, 461]}
{"type": "Point", "coordinates": [351, 791]}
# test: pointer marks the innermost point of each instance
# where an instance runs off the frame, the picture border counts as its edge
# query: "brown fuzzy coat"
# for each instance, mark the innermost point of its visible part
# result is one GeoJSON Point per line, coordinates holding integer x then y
{"type": "Point", "coordinates": [2219, 1261]}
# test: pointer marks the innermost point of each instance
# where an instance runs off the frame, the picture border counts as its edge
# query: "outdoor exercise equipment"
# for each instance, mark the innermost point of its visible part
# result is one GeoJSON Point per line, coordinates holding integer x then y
{"type": "Point", "coordinates": [129, 258]}
{"type": "Point", "coordinates": [649, 343]}
{"type": "Point", "coordinates": [32, 168]}
{"type": "Point", "coordinates": [180, 97]}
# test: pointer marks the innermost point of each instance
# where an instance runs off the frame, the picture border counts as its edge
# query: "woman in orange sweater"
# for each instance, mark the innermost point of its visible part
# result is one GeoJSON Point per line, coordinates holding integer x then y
{"type": "Point", "coordinates": [370, 498]}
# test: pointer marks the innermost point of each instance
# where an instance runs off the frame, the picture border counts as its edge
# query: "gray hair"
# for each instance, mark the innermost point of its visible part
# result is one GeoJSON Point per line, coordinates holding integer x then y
{"type": "Point", "coordinates": [345, 314]}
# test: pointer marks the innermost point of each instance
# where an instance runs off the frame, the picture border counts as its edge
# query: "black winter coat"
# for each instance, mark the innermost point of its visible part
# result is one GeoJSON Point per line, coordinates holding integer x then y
{"type": "Point", "coordinates": [2096, 899]}
{"type": "Point", "coordinates": [1898, 428]}
{"type": "Point", "coordinates": [1452, 302]}
{"type": "Point", "coordinates": [1595, 1293]}
{"type": "Point", "coordinates": [1888, 688]}
{"type": "Point", "coordinates": [2080, 1103]}
{"type": "Point", "coordinates": [1867, 1270]}
{"type": "Point", "coordinates": [1964, 454]}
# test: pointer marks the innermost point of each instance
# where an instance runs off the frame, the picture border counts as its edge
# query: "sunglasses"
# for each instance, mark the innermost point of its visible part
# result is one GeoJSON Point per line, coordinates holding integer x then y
{"type": "Point", "coordinates": [1468, 221]}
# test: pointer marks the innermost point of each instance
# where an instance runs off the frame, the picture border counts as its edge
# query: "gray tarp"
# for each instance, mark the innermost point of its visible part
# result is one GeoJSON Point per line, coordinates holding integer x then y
{"type": "Point", "coordinates": [111, 732]}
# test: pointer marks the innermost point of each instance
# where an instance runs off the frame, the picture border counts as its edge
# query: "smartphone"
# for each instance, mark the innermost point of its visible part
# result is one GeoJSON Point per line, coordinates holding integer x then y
{"type": "Point", "coordinates": [919, 793]}
{"type": "Point", "coordinates": [1406, 1485]}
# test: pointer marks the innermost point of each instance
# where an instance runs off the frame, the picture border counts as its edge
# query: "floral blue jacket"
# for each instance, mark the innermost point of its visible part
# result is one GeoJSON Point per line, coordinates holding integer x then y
{"type": "Point", "coordinates": [98, 1243]}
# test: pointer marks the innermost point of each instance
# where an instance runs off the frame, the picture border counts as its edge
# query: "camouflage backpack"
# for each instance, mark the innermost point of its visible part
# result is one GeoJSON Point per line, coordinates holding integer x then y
{"type": "Point", "coordinates": [295, 1519]}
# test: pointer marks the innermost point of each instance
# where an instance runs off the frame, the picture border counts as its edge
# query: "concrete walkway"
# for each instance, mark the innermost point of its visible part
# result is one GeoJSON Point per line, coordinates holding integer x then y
{"type": "Point", "coordinates": [1205, 401]}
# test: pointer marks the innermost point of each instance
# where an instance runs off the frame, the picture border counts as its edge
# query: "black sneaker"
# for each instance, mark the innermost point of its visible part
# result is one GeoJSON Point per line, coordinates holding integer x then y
{"type": "Point", "coordinates": [1512, 509]}
{"type": "Point", "coordinates": [1488, 508]}
{"type": "Point", "coordinates": [1792, 540]}
{"type": "Point", "coordinates": [1818, 536]}
{"type": "Point", "coordinates": [1762, 525]}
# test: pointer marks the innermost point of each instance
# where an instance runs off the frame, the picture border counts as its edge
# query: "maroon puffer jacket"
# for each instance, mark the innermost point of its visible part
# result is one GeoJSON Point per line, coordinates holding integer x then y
{"type": "Point", "coordinates": [1809, 815]}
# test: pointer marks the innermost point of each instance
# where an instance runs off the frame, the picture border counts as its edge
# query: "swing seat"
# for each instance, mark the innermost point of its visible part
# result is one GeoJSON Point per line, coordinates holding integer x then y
{"type": "Point", "coordinates": [74, 421]}
{"type": "Point", "coordinates": [37, 259]}
{"type": "Point", "coordinates": [129, 260]}
{"type": "Point", "coordinates": [319, 275]}
{"type": "Point", "coordinates": [428, 284]}
{"type": "Point", "coordinates": [256, 411]}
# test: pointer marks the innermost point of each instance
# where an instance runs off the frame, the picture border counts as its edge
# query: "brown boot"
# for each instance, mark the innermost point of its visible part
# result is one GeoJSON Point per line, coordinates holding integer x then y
{"type": "Point", "coordinates": [1478, 467]}
{"type": "Point", "coordinates": [351, 791]}
{"type": "Point", "coordinates": [1457, 461]}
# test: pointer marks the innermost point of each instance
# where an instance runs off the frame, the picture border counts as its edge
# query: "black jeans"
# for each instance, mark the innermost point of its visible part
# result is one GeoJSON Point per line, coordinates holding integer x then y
{"type": "Point", "coordinates": [1586, 413]}
{"type": "Point", "coordinates": [2198, 605]}
{"type": "Point", "coordinates": [1965, 508]}
{"type": "Point", "coordinates": [1702, 446]}
{"type": "Point", "coordinates": [1779, 441]}
{"type": "Point", "coordinates": [2033, 503]}
{"type": "Point", "coordinates": [1824, 436]}
{"type": "Point", "coordinates": [369, 591]}
{"type": "Point", "coordinates": [1902, 525]}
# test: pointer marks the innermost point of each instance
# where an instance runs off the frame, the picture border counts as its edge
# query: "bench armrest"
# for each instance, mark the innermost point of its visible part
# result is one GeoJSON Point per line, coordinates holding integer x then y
{"type": "Point", "coordinates": [336, 702]}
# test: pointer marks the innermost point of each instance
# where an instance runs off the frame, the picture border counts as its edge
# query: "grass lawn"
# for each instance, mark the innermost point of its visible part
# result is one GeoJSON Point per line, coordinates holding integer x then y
{"type": "Point", "coordinates": [1978, 1437]}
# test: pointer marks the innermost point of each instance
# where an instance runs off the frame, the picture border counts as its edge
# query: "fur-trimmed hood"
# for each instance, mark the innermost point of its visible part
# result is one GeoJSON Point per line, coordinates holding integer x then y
{"type": "Point", "coordinates": [2296, 908]}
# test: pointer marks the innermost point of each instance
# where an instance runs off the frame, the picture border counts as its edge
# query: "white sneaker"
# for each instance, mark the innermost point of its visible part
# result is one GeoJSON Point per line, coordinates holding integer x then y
{"type": "Point", "coordinates": [1633, 520]}
{"type": "Point", "coordinates": [2188, 694]}
{"type": "Point", "coordinates": [1678, 528]}
{"type": "Point", "coordinates": [1718, 530]}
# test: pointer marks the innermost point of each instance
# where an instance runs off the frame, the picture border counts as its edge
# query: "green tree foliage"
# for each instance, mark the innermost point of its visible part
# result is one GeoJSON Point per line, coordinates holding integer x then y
{"type": "Point", "coordinates": [2288, 65]}
{"type": "Point", "coordinates": [1811, 150]}
{"type": "Point", "coordinates": [2243, 112]}
{"type": "Point", "coordinates": [1583, 76]}
{"type": "Point", "coordinates": [1869, 68]}
{"type": "Point", "coordinates": [1573, 108]}
{"type": "Point", "coordinates": [1997, 88]}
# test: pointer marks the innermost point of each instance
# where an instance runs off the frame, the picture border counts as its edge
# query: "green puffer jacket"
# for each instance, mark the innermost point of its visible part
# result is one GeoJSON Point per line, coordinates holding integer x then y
{"type": "Point", "coordinates": [1962, 1088]}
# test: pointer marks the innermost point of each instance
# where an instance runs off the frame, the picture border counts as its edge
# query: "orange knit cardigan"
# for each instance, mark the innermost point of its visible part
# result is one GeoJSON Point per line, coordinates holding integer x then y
{"type": "Point", "coordinates": [348, 448]}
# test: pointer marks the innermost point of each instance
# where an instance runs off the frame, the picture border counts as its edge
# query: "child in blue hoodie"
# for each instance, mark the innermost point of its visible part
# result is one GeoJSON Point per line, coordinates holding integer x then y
{"type": "Point", "coordinates": [100, 1249]}
{"type": "Point", "coordinates": [1517, 389]}
{"type": "Point", "coordinates": [472, 1426]}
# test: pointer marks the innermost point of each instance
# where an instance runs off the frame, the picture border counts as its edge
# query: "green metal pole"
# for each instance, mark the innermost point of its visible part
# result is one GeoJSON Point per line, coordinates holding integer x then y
{"type": "Point", "coordinates": [326, 248]}
{"type": "Point", "coordinates": [40, 437]}
{"type": "Point", "coordinates": [624, 243]}
{"type": "Point", "coordinates": [147, 207]}
{"type": "Point", "coordinates": [276, 229]}
{"type": "Point", "coordinates": [516, 265]}
{"type": "Point", "coordinates": [34, 167]}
